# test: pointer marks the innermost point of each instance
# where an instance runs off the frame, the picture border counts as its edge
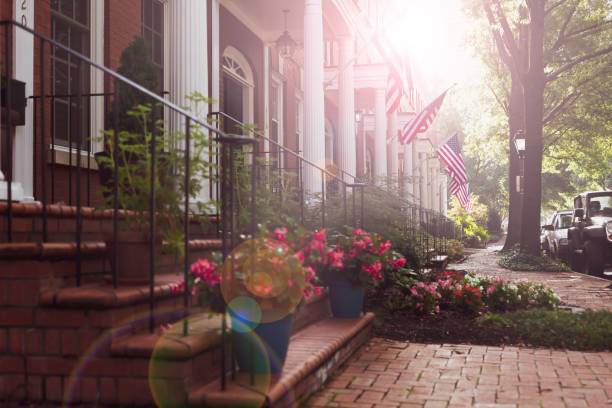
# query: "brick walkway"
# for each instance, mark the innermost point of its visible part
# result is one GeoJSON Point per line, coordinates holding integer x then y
{"type": "Point", "coordinates": [400, 374]}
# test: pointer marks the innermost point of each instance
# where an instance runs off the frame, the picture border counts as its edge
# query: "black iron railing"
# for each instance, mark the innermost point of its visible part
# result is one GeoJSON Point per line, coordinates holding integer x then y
{"type": "Point", "coordinates": [430, 229]}
{"type": "Point", "coordinates": [81, 99]}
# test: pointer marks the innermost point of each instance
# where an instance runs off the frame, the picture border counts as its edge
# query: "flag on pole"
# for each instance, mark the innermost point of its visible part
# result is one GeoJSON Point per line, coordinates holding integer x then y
{"type": "Point", "coordinates": [453, 185]}
{"type": "Point", "coordinates": [399, 79]}
{"type": "Point", "coordinates": [422, 121]}
{"type": "Point", "coordinates": [464, 197]}
{"type": "Point", "coordinates": [450, 153]}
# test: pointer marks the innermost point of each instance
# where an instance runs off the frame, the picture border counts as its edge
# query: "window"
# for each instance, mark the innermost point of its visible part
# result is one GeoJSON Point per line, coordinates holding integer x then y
{"type": "Point", "coordinates": [70, 26]}
{"type": "Point", "coordinates": [153, 33]}
{"type": "Point", "coordinates": [238, 90]}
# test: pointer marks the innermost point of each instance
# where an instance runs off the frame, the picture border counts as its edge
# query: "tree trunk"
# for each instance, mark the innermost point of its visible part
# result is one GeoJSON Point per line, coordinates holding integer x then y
{"type": "Point", "coordinates": [515, 122]}
{"type": "Point", "coordinates": [533, 91]}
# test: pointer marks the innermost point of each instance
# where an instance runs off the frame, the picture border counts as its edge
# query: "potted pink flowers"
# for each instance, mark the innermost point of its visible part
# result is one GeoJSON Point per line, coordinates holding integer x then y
{"type": "Point", "coordinates": [356, 260]}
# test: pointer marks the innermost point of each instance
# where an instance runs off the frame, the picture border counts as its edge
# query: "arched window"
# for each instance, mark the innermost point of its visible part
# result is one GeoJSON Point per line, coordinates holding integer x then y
{"type": "Point", "coordinates": [238, 90]}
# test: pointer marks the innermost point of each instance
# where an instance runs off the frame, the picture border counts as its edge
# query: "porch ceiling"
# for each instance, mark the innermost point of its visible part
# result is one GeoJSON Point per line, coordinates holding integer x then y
{"type": "Point", "coordinates": [265, 17]}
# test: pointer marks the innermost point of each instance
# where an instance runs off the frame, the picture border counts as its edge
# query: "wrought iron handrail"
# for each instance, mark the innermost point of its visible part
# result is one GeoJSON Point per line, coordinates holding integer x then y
{"type": "Point", "coordinates": [189, 119]}
{"type": "Point", "coordinates": [301, 159]}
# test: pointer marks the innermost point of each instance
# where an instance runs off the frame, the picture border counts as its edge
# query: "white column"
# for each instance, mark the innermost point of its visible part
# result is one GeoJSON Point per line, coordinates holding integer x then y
{"type": "Point", "coordinates": [444, 185]}
{"type": "Point", "coordinates": [188, 63]}
{"type": "Point", "coordinates": [215, 56]}
{"type": "Point", "coordinates": [23, 70]}
{"type": "Point", "coordinates": [346, 120]}
{"type": "Point", "coordinates": [380, 140]}
{"type": "Point", "coordinates": [408, 173]}
{"type": "Point", "coordinates": [424, 184]}
{"type": "Point", "coordinates": [435, 187]}
{"type": "Point", "coordinates": [314, 113]}
{"type": "Point", "coordinates": [393, 146]}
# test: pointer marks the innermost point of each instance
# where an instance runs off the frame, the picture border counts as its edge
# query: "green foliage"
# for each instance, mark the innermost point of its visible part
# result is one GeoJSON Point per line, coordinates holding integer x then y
{"type": "Point", "coordinates": [494, 320]}
{"type": "Point", "coordinates": [454, 250]}
{"type": "Point", "coordinates": [473, 224]}
{"type": "Point", "coordinates": [135, 63]}
{"type": "Point", "coordinates": [134, 175]}
{"type": "Point", "coordinates": [577, 109]}
{"type": "Point", "coordinates": [517, 261]}
{"type": "Point", "coordinates": [590, 330]}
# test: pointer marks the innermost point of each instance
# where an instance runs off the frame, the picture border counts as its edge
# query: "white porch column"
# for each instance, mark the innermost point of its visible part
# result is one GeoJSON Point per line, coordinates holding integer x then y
{"type": "Point", "coordinates": [393, 147]}
{"type": "Point", "coordinates": [424, 184]}
{"type": "Point", "coordinates": [408, 173]}
{"type": "Point", "coordinates": [346, 120]}
{"type": "Point", "coordinates": [188, 62]}
{"type": "Point", "coordinates": [215, 57]}
{"type": "Point", "coordinates": [444, 186]}
{"type": "Point", "coordinates": [314, 113]}
{"type": "Point", "coordinates": [23, 70]}
{"type": "Point", "coordinates": [435, 188]}
{"type": "Point", "coordinates": [380, 140]}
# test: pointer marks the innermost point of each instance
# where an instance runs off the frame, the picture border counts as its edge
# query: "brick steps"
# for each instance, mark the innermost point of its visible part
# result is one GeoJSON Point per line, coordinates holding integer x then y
{"type": "Point", "coordinates": [141, 368]}
{"type": "Point", "coordinates": [314, 354]}
{"type": "Point", "coordinates": [27, 222]}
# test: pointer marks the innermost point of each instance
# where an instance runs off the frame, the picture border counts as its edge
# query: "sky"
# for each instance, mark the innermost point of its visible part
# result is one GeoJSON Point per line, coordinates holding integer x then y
{"type": "Point", "coordinates": [432, 33]}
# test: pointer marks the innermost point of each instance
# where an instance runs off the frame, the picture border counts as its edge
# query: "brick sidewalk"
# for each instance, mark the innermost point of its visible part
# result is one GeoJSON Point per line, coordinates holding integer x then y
{"type": "Point", "coordinates": [400, 374]}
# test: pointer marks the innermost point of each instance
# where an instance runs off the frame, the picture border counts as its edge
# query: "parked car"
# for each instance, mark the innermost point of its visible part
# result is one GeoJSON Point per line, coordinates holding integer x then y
{"type": "Point", "coordinates": [590, 235]}
{"type": "Point", "coordinates": [555, 234]}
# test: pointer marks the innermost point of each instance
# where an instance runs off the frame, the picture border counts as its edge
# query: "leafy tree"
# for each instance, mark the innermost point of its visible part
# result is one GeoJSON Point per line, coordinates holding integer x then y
{"type": "Point", "coordinates": [566, 53]}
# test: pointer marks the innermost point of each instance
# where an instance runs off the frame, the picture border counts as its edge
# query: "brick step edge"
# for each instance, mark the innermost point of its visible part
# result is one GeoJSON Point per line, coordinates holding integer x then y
{"type": "Point", "coordinates": [70, 211]}
{"type": "Point", "coordinates": [314, 354]}
{"type": "Point", "coordinates": [67, 250]}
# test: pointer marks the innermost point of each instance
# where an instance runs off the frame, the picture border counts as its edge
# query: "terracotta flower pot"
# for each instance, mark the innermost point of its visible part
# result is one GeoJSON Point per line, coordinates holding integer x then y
{"type": "Point", "coordinates": [134, 256]}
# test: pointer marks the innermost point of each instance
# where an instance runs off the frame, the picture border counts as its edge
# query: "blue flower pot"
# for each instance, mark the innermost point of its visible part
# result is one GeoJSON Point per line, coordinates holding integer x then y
{"type": "Point", "coordinates": [346, 299]}
{"type": "Point", "coordinates": [261, 348]}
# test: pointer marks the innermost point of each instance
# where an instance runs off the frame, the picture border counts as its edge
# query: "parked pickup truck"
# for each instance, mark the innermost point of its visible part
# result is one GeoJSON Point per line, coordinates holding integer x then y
{"type": "Point", "coordinates": [590, 235]}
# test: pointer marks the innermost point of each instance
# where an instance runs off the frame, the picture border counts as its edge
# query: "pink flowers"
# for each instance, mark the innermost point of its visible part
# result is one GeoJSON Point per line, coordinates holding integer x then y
{"type": "Point", "coordinates": [206, 271]}
{"type": "Point", "coordinates": [280, 234]}
{"type": "Point", "coordinates": [399, 263]}
{"type": "Point", "coordinates": [319, 235]}
{"type": "Point", "coordinates": [336, 257]}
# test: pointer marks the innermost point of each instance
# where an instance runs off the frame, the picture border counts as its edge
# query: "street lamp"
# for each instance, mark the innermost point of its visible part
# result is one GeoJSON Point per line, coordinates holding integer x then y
{"type": "Point", "coordinates": [285, 44]}
{"type": "Point", "coordinates": [519, 144]}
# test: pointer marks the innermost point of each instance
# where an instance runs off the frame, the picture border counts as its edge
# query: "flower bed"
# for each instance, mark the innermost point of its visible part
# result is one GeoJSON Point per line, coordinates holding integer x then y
{"type": "Point", "coordinates": [472, 293]}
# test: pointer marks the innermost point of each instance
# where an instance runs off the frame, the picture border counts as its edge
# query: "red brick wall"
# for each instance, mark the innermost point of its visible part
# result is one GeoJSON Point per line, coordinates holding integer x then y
{"type": "Point", "coordinates": [122, 22]}
{"type": "Point", "coordinates": [6, 13]}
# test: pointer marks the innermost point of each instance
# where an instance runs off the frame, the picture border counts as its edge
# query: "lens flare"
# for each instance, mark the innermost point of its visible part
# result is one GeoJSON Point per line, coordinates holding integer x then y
{"type": "Point", "coordinates": [266, 272]}
{"type": "Point", "coordinates": [171, 359]}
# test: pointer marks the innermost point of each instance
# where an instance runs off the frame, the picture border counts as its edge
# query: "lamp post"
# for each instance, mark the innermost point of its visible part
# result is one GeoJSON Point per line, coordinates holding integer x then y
{"type": "Point", "coordinates": [519, 144]}
{"type": "Point", "coordinates": [285, 44]}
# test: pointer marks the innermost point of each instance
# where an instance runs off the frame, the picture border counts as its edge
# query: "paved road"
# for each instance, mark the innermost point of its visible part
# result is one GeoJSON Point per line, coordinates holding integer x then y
{"type": "Point", "coordinates": [397, 374]}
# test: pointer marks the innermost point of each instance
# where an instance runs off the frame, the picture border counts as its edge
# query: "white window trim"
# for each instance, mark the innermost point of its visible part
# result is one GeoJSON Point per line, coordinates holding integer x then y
{"type": "Point", "coordinates": [277, 83]}
{"type": "Point", "coordinates": [96, 46]}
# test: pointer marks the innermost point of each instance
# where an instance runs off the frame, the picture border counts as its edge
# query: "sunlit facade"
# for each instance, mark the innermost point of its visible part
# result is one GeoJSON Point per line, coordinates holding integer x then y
{"type": "Point", "coordinates": [325, 101]}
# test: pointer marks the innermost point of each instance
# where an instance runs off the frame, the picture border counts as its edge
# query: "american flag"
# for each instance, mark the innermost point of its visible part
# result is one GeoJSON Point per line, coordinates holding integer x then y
{"type": "Point", "coordinates": [450, 153]}
{"type": "Point", "coordinates": [422, 121]}
{"type": "Point", "coordinates": [399, 78]}
{"type": "Point", "coordinates": [463, 195]}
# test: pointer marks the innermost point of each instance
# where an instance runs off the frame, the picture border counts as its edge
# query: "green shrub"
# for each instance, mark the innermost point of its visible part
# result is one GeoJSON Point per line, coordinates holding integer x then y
{"type": "Point", "coordinates": [517, 261]}
{"type": "Point", "coordinates": [590, 330]}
